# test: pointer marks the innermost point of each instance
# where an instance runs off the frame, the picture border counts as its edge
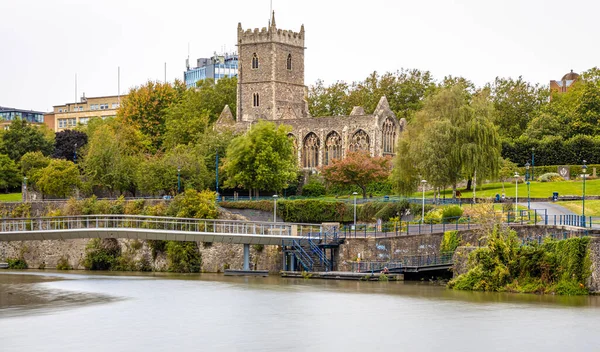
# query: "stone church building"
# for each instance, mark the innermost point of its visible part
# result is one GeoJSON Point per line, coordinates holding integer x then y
{"type": "Point", "coordinates": [271, 87]}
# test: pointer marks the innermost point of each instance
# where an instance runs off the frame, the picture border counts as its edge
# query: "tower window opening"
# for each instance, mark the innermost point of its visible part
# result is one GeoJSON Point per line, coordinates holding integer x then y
{"type": "Point", "coordinates": [289, 62]}
{"type": "Point", "coordinates": [254, 61]}
{"type": "Point", "coordinates": [256, 99]}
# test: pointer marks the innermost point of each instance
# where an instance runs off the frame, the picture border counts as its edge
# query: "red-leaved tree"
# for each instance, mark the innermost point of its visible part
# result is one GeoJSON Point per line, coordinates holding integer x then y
{"type": "Point", "coordinates": [358, 168]}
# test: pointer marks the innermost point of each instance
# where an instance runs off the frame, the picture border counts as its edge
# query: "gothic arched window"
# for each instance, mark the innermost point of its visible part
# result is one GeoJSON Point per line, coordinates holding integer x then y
{"type": "Point", "coordinates": [388, 136]}
{"type": "Point", "coordinates": [360, 141]}
{"type": "Point", "coordinates": [289, 62]}
{"type": "Point", "coordinates": [310, 152]}
{"type": "Point", "coordinates": [255, 99]}
{"type": "Point", "coordinates": [254, 61]}
{"type": "Point", "coordinates": [333, 147]}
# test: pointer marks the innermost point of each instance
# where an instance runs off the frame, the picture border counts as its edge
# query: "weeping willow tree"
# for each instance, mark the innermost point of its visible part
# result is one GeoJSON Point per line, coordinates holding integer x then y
{"type": "Point", "coordinates": [450, 139]}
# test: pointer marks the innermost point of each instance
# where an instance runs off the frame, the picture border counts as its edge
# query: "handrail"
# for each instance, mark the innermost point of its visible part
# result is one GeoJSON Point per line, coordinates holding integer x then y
{"type": "Point", "coordinates": [303, 255]}
{"type": "Point", "coordinates": [12, 225]}
{"type": "Point", "coordinates": [320, 254]}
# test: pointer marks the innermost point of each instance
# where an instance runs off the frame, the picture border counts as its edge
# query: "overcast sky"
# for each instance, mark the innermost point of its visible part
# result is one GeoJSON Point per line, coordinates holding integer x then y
{"type": "Point", "coordinates": [44, 43]}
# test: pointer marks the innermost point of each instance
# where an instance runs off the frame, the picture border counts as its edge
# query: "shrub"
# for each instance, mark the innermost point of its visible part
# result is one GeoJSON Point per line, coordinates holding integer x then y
{"type": "Point", "coordinates": [102, 254]}
{"type": "Point", "coordinates": [17, 263]}
{"type": "Point", "coordinates": [63, 264]}
{"type": "Point", "coordinates": [433, 216]}
{"type": "Point", "coordinates": [313, 188]}
{"type": "Point", "coordinates": [258, 247]}
{"type": "Point", "coordinates": [183, 257]}
{"type": "Point", "coordinates": [450, 241]}
{"type": "Point", "coordinates": [550, 177]}
{"type": "Point", "coordinates": [194, 204]}
{"type": "Point", "coordinates": [452, 211]}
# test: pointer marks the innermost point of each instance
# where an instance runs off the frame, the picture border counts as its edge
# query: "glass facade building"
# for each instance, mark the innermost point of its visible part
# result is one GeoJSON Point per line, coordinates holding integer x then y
{"type": "Point", "coordinates": [10, 114]}
{"type": "Point", "coordinates": [216, 67]}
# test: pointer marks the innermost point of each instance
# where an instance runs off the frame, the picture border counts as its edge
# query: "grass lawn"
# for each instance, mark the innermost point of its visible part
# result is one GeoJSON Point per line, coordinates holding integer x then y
{"type": "Point", "coordinates": [592, 207]}
{"type": "Point", "coordinates": [537, 189]}
{"type": "Point", "coordinates": [10, 197]}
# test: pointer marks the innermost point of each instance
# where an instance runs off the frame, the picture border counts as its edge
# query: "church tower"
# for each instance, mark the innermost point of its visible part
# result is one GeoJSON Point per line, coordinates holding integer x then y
{"type": "Point", "coordinates": [270, 74]}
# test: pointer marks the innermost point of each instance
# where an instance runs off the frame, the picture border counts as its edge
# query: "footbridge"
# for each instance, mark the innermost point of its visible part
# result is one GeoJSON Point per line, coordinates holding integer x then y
{"type": "Point", "coordinates": [159, 228]}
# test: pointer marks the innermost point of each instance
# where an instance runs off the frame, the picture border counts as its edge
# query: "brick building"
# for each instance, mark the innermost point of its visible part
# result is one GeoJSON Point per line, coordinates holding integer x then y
{"type": "Point", "coordinates": [271, 87]}
{"type": "Point", "coordinates": [67, 116]}
{"type": "Point", "coordinates": [565, 83]}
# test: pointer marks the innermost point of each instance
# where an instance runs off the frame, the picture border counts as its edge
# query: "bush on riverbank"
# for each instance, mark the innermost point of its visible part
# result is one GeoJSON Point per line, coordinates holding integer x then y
{"type": "Point", "coordinates": [16, 263]}
{"type": "Point", "coordinates": [557, 267]}
{"type": "Point", "coordinates": [183, 257]}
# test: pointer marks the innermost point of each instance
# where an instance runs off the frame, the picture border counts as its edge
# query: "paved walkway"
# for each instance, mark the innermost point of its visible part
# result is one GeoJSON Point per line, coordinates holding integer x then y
{"type": "Point", "coordinates": [552, 208]}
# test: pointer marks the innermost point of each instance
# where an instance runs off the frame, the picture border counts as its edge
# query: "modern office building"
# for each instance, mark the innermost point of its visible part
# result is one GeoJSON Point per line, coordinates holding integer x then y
{"type": "Point", "coordinates": [69, 115]}
{"type": "Point", "coordinates": [216, 67]}
{"type": "Point", "coordinates": [7, 115]}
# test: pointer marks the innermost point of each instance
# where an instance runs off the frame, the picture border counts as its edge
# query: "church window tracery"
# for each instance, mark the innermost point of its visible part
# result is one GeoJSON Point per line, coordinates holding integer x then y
{"type": "Point", "coordinates": [333, 147]}
{"type": "Point", "coordinates": [255, 100]}
{"type": "Point", "coordinates": [359, 141]}
{"type": "Point", "coordinates": [310, 153]}
{"type": "Point", "coordinates": [388, 136]}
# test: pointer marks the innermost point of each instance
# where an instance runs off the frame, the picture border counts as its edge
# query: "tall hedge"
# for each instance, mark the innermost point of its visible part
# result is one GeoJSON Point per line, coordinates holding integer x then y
{"type": "Point", "coordinates": [553, 150]}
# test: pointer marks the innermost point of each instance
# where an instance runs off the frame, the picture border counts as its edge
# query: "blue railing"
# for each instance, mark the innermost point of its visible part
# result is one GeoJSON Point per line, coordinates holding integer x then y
{"type": "Point", "coordinates": [320, 254]}
{"type": "Point", "coordinates": [305, 260]}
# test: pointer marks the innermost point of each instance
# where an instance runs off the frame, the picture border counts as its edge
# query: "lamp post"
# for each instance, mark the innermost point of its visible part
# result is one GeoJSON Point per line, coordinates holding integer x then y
{"type": "Point", "coordinates": [423, 182]}
{"type": "Point", "coordinates": [25, 189]}
{"type": "Point", "coordinates": [217, 176]}
{"type": "Point", "coordinates": [528, 192]}
{"type": "Point", "coordinates": [275, 207]}
{"type": "Point", "coordinates": [516, 191]}
{"type": "Point", "coordinates": [75, 154]}
{"type": "Point", "coordinates": [532, 162]}
{"type": "Point", "coordinates": [354, 194]}
{"type": "Point", "coordinates": [583, 174]}
{"type": "Point", "coordinates": [178, 180]}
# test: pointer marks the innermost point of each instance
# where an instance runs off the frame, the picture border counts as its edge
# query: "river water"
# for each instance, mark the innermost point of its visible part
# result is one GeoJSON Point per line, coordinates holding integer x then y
{"type": "Point", "coordinates": [54, 311]}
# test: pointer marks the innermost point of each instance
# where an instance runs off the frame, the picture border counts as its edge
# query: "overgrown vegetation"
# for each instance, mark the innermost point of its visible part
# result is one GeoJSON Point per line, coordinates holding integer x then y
{"type": "Point", "coordinates": [63, 264]}
{"type": "Point", "coordinates": [450, 241]}
{"type": "Point", "coordinates": [16, 263]}
{"type": "Point", "coordinates": [183, 257]}
{"type": "Point", "coordinates": [555, 267]}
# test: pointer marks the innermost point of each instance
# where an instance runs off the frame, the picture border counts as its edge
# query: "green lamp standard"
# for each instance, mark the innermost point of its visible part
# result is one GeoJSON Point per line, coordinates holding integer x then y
{"type": "Point", "coordinates": [516, 191]}
{"type": "Point", "coordinates": [178, 180]}
{"type": "Point", "coordinates": [423, 182]}
{"type": "Point", "coordinates": [528, 190]}
{"type": "Point", "coordinates": [583, 175]}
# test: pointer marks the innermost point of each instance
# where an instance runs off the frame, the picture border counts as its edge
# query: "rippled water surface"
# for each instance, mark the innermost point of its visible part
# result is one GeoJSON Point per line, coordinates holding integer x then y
{"type": "Point", "coordinates": [48, 311]}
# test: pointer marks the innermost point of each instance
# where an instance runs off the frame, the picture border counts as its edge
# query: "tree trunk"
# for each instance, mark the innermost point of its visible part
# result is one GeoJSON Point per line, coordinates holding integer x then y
{"type": "Point", "coordinates": [469, 183]}
{"type": "Point", "coordinates": [364, 191]}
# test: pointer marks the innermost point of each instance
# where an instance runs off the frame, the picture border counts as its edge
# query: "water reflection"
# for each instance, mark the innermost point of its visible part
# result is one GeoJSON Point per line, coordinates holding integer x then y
{"type": "Point", "coordinates": [160, 311]}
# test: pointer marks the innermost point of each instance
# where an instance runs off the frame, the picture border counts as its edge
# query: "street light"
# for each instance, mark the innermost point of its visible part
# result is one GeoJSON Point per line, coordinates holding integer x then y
{"type": "Point", "coordinates": [354, 194]}
{"type": "Point", "coordinates": [178, 180]}
{"type": "Point", "coordinates": [532, 162]}
{"type": "Point", "coordinates": [275, 207]}
{"type": "Point", "coordinates": [423, 182]}
{"type": "Point", "coordinates": [516, 191]}
{"type": "Point", "coordinates": [584, 174]}
{"type": "Point", "coordinates": [25, 188]}
{"type": "Point", "coordinates": [528, 192]}
{"type": "Point", "coordinates": [75, 154]}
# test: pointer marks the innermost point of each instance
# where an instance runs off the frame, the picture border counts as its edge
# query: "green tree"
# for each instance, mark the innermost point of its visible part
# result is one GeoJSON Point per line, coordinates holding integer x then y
{"type": "Point", "coordinates": [186, 120]}
{"type": "Point", "coordinates": [214, 96]}
{"type": "Point", "coordinates": [59, 179]}
{"type": "Point", "coordinates": [112, 156]}
{"type": "Point", "coordinates": [31, 162]}
{"type": "Point", "coordinates": [263, 158]}
{"type": "Point", "coordinates": [145, 107]}
{"type": "Point", "coordinates": [158, 173]}
{"type": "Point", "coordinates": [328, 101]}
{"type": "Point", "coordinates": [22, 137]}
{"type": "Point", "coordinates": [194, 204]}
{"type": "Point", "coordinates": [358, 168]}
{"type": "Point", "coordinates": [516, 103]}
{"type": "Point", "coordinates": [450, 138]}
{"type": "Point", "coordinates": [9, 173]}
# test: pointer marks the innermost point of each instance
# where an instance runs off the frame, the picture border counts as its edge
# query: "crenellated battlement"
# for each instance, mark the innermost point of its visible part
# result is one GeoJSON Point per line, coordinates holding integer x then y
{"type": "Point", "coordinates": [270, 34]}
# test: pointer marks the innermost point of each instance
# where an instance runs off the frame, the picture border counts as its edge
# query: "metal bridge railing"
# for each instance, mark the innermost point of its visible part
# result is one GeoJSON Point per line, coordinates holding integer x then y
{"type": "Point", "coordinates": [403, 262]}
{"type": "Point", "coordinates": [11, 225]}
